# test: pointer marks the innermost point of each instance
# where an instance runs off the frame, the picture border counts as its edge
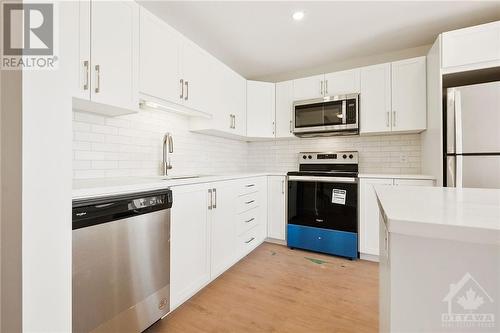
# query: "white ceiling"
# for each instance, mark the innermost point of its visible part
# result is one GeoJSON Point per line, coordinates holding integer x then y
{"type": "Point", "coordinates": [259, 39]}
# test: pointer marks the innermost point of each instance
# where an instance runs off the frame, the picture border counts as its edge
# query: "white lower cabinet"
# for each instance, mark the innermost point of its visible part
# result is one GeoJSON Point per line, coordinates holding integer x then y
{"type": "Point", "coordinates": [213, 225]}
{"type": "Point", "coordinates": [276, 217]}
{"type": "Point", "coordinates": [189, 242]}
{"type": "Point", "coordinates": [369, 212]}
{"type": "Point", "coordinates": [224, 227]}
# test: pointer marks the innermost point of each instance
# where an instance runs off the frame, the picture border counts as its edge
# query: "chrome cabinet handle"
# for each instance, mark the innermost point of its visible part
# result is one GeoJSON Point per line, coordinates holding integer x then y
{"type": "Point", "coordinates": [181, 96]}
{"type": "Point", "coordinates": [387, 119]}
{"type": "Point", "coordinates": [282, 187]}
{"type": "Point", "coordinates": [187, 90]}
{"type": "Point", "coordinates": [326, 87]}
{"type": "Point", "coordinates": [249, 202]}
{"type": "Point", "coordinates": [86, 66]}
{"type": "Point", "coordinates": [291, 129]}
{"type": "Point", "coordinates": [98, 78]}
{"type": "Point", "coordinates": [251, 239]}
{"type": "Point", "coordinates": [321, 88]}
{"type": "Point", "coordinates": [210, 198]}
{"type": "Point", "coordinates": [250, 185]}
{"type": "Point", "coordinates": [230, 121]}
{"type": "Point", "coordinates": [393, 118]}
{"type": "Point", "coordinates": [252, 219]}
{"type": "Point", "coordinates": [274, 128]}
{"type": "Point", "coordinates": [214, 191]}
{"type": "Point", "coordinates": [234, 121]}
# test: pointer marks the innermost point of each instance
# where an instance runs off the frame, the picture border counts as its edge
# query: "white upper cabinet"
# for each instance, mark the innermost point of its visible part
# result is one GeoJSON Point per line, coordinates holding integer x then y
{"type": "Point", "coordinates": [260, 109]}
{"type": "Point", "coordinates": [196, 76]}
{"type": "Point", "coordinates": [108, 59]}
{"type": "Point", "coordinates": [114, 58]}
{"type": "Point", "coordinates": [159, 59]}
{"type": "Point", "coordinates": [284, 109]}
{"type": "Point", "coordinates": [473, 48]}
{"type": "Point", "coordinates": [344, 82]}
{"type": "Point", "coordinates": [308, 87]}
{"type": "Point", "coordinates": [375, 99]}
{"type": "Point", "coordinates": [409, 95]}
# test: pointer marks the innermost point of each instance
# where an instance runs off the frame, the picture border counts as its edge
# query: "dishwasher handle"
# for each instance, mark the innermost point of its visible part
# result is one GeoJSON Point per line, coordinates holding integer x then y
{"type": "Point", "coordinates": [96, 211]}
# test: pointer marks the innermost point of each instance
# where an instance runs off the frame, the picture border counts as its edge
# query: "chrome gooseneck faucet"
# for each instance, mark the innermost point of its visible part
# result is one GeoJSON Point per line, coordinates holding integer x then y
{"type": "Point", "coordinates": [168, 148]}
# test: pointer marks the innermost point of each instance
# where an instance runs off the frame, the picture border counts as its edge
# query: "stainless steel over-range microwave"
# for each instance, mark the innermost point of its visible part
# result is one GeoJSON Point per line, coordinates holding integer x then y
{"type": "Point", "coordinates": [330, 115]}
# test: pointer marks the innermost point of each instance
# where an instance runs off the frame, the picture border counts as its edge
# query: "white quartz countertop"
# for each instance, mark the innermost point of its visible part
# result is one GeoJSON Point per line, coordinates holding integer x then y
{"type": "Point", "coordinates": [98, 187]}
{"type": "Point", "coordinates": [398, 176]}
{"type": "Point", "coordinates": [469, 215]}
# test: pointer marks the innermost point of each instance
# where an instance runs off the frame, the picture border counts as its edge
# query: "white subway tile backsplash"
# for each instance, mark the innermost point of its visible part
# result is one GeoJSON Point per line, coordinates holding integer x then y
{"type": "Point", "coordinates": [132, 146]}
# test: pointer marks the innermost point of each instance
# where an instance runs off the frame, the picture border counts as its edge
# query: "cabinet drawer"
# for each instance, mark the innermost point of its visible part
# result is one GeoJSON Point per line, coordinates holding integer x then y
{"type": "Point", "coordinates": [250, 185]}
{"type": "Point", "coordinates": [247, 202]}
{"type": "Point", "coordinates": [249, 240]}
{"type": "Point", "coordinates": [248, 220]}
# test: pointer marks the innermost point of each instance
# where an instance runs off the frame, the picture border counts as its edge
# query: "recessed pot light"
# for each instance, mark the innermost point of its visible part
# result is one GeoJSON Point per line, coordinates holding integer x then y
{"type": "Point", "coordinates": [297, 16]}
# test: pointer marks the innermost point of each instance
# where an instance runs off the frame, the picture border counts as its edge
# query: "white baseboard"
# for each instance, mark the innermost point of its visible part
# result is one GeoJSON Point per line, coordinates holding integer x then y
{"type": "Point", "coordinates": [275, 241]}
{"type": "Point", "coordinates": [369, 257]}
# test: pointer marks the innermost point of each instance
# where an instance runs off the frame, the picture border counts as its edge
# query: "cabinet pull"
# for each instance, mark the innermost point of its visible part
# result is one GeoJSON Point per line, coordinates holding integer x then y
{"type": "Point", "coordinates": [387, 119]}
{"type": "Point", "coordinates": [326, 87]}
{"type": "Point", "coordinates": [214, 191]}
{"type": "Point", "coordinates": [86, 66]}
{"type": "Point", "coordinates": [234, 121]}
{"type": "Point", "coordinates": [98, 78]}
{"type": "Point", "coordinates": [321, 88]}
{"type": "Point", "coordinates": [181, 96]}
{"type": "Point", "coordinates": [250, 185]}
{"type": "Point", "coordinates": [231, 121]}
{"type": "Point", "coordinates": [210, 199]}
{"type": "Point", "coordinates": [274, 127]}
{"type": "Point", "coordinates": [291, 129]}
{"type": "Point", "coordinates": [251, 239]}
{"type": "Point", "coordinates": [248, 221]}
{"type": "Point", "coordinates": [187, 90]}
{"type": "Point", "coordinates": [393, 118]}
{"type": "Point", "coordinates": [249, 202]}
{"type": "Point", "coordinates": [282, 187]}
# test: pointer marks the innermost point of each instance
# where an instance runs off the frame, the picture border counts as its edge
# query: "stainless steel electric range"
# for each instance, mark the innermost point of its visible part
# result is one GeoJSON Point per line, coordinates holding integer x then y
{"type": "Point", "coordinates": [323, 203]}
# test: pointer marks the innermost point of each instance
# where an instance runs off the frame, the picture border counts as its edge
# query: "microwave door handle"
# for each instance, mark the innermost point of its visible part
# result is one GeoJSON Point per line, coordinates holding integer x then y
{"type": "Point", "coordinates": [344, 114]}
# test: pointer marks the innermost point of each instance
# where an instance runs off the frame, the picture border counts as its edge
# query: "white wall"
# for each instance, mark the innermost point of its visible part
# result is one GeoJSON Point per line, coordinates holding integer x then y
{"type": "Point", "coordinates": [46, 191]}
{"type": "Point", "coordinates": [398, 154]}
{"type": "Point", "coordinates": [132, 146]}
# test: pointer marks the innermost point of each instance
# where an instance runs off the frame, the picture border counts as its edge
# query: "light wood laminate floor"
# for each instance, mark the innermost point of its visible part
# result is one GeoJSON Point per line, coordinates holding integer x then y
{"type": "Point", "coordinates": [275, 289]}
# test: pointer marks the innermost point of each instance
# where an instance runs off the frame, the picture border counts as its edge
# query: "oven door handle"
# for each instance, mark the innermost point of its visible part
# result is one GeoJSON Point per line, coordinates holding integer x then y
{"type": "Point", "coordinates": [323, 179]}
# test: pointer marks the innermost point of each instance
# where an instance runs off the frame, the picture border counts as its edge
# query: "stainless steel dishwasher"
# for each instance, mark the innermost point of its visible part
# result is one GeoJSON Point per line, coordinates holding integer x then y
{"type": "Point", "coordinates": [121, 262]}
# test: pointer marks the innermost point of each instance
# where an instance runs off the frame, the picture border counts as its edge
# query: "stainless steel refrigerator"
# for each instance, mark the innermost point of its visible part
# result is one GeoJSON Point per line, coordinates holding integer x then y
{"type": "Point", "coordinates": [473, 136]}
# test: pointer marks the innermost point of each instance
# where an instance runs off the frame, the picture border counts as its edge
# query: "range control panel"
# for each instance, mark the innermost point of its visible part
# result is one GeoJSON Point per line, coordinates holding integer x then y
{"type": "Point", "coordinates": [342, 157]}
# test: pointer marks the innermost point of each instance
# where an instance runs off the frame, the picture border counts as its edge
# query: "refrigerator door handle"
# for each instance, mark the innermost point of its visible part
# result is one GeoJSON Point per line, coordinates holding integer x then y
{"type": "Point", "coordinates": [458, 123]}
{"type": "Point", "coordinates": [459, 160]}
{"type": "Point", "coordinates": [451, 173]}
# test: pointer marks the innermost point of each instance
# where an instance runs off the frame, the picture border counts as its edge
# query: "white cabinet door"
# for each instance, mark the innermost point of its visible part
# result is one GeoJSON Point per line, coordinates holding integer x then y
{"type": "Point", "coordinates": [469, 46]}
{"type": "Point", "coordinates": [375, 99]}
{"type": "Point", "coordinates": [196, 71]}
{"type": "Point", "coordinates": [81, 16]}
{"type": "Point", "coordinates": [224, 224]}
{"type": "Point", "coordinates": [159, 58]}
{"type": "Point", "coordinates": [276, 207]}
{"type": "Point", "coordinates": [414, 182]}
{"type": "Point", "coordinates": [260, 109]}
{"type": "Point", "coordinates": [369, 215]}
{"type": "Point", "coordinates": [409, 96]}
{"type": "Point", "coordinates": [284, 109]}
{"type": "Point", "coordinates": [308, 87]}
{"type": "Point", "coordinates": [115, 53]}
{"type": "Point", "coordinates": [344, 82]}
{"type": "Point", "coordinates": [235, 99]}
{"type": "Point", "coordinates": [189, 242]}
